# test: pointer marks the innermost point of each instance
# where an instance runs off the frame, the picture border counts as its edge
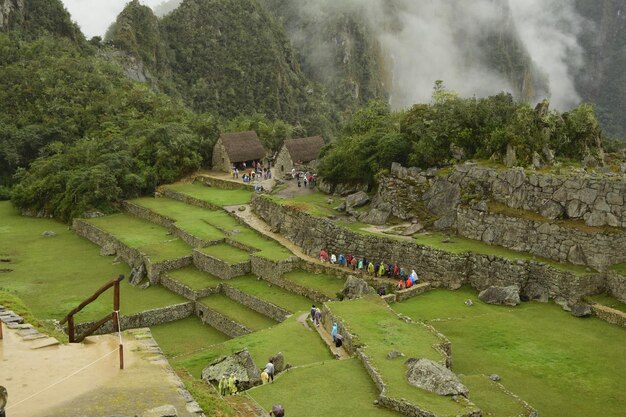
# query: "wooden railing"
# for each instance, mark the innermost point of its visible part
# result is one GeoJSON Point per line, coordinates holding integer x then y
{"type": "Point", "coordinates": [69, 319]}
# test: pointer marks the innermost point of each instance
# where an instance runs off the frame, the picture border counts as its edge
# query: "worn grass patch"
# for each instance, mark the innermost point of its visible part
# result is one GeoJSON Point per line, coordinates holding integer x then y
{"type": "Point", "coordinates": [299, 345]}
{"type": "Point", "coordinates": [325, 284]}
{"type": "Point", "coordinates": [331, 388]}
{"type": "Point", "coordinates": [272, 293]}
{"type": "Point", "coordinates": [226, 253]}
{"type": "Point", "coordinates": [186, 336]}
{"type": "Point", "coordinates": [213, 195]}
{"type": "Point", "coordinates": [55, 274]}
{"type": "Point", "coordinates": [194, 278]}
{"type": "Point", "coordinates": [149, 238]}
{"type": "Point", "coordinates": [237, 312]}
{"type": "Point", "coordinates": [380, 331]}
{"type": "Point", "coordinates": [559, 364]}
{"type": "Point", "coordinates": [607, 300]}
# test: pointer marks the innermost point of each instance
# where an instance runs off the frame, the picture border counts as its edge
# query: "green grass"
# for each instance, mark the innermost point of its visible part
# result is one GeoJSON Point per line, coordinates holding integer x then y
{"type": "Point", "coordinates": [325, 284]}
{"type": "Point", "coordinates": [559, 364]}
{"type": "Point", "coordinates": [272, 293]}
{"type": "Point", "coordinates": [380, 331]}
{"type": "Point", "coordinates": [55, 274]}
{"type": "Point", "coordinates": [226, 253]}
{"type": "Point", "coordinates": [315, 203]}
{"type": "Point", "coordinates": [149, 238]}
{"type": "Point", "coordinates": [237, 312]}
{"type": "Point", "coordinates": [186, 336]}
{"type": "Point", "coordinates": [194, 278]}
{"type": "Point", "coordinates": [607, 300]}
{"type": "Point", "coordinates": [15, 304]}
{"type": "Point", "coordinates": [459, 245]}
{"type": "Point", "coordinates": [620, 269]}
{"type": "Point", "coordinates": [211, 403]}
{"type": "Point", "coordinates": [213, 195]}
{"type": "Point", "coordinates": [299, 345]}
{"type": "Point", "coordinates": [332, 388]}
{"type": "Point", "coordinates": [490, 398]}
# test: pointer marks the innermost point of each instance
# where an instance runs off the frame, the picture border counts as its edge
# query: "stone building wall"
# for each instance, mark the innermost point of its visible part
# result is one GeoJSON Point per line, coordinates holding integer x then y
{"type": "Point", "coordinates": [544, 239]}
{"type": "Point", "coordinates": [221, 161]}
{"type": "Point", "coordinates": [219, 268]}
{"type": "Point", "coordinates": [283, 163]}
{"type": "Point", "coordinates": [616, 285]}
{"type": "Point", "coordinates": [442, 269]}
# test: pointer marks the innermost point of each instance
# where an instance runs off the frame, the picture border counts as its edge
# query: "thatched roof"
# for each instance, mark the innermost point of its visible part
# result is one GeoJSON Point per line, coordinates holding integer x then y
{"type": "Point", "coordinates": [243, 146]}
{"type": "Point", "coordinates": [305, 149]}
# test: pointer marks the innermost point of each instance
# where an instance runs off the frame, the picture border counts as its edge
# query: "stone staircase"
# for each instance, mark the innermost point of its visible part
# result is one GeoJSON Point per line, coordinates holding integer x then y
{"type": "Point", "coordinates": [26, 331]}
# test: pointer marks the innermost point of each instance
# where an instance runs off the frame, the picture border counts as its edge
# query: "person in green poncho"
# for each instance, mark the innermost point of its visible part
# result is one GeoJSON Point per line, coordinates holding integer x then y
{"type": "Point", "coordinates": [232, 384]}
{"type": "Point", "coordinates": [223, 386]}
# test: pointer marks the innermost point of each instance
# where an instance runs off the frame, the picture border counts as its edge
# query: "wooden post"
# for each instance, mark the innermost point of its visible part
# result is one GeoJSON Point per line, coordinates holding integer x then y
{"type": "Point", "coordinates": [0, 330]}
{"type": "Point", "coordinates": [116, 306]}
{"type": "Point", "coordinates": [121, 356]}
{"type": "Point", "coordinates": [70, 329]}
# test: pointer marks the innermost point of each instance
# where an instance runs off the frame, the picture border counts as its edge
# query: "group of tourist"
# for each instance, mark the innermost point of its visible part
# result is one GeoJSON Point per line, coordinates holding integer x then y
{"type": "Point", "coordinates": [372, 268]}
{"type": "Point", "coordinates": [256, 172]}
{"type": "Point", "coordinates": [306, 178]}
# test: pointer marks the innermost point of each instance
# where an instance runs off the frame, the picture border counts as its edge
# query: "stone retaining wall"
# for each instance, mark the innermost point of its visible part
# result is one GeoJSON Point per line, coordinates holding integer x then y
{"type": "Point", "coordinates": [414, 291]}
{"type": "Point", "coordinates": [220, 322]}
{"type": "Point", "coordinates": [290, 286]}
{"type": "Point", "coordinates": [260, 306]}
{"type": "Point", "coordinates": [155, 270]}
{"type": "Point", "coordinates": [267, 269]}
{"type": "Point", "coordinates": [224, 184]}
{"type": "Point", "coordinates": [609, 315]}
{"type": "Point", "coordinates": [186, 291]}
{"type": "Point", "coordinates": [175, 195]}
{"type": "Point", "coordinates": [143, 319]}
{"type": "Point", "coordinates": [616, 285]}
{"type": "Point", "coordinates": [441, 268]}
{"type": "Point", "coordinates": [219, 268]}
{"type": "Point", "coordinates": [84, 229]}
{"type": "Point", "coordinates": [545, 239]}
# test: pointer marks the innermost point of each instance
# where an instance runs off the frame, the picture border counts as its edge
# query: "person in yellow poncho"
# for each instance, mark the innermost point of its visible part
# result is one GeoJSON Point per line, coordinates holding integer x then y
{"type": "Point", "coordinates": [232, 384]}
{"type": "Point", "coordinates": [370, 268]}
{"type": "Point", "coordinates": [223, 386]}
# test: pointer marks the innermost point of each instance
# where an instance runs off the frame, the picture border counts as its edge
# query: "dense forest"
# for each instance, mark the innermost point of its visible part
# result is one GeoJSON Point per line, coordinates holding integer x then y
{"type": "Point", "coordinates": [87, 123]}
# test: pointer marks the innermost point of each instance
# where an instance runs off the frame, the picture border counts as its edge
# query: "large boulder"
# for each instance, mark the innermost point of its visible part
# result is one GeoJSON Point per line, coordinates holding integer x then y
{"type": "Point", "coordinates": [434, 377]}
{"type": "Point", "coordinates": [357, 200]}
{"type": "Point", "coordinates": [581, 310]}
{"type": "Point", "coordinates": [375, 216]}
{"type": "Point", "coordinates": [137, 275]}
{"type": "Point", "coordinates": [442, 197]}
{"type": "Point", "coordinates": [279, 362]}
{"type": "Point", "coordinates": [501, 295]}
{"type": "Point", "coordinates": [356, 288]}
{"type": "Point", "coordinates": [412, 229]}
{"type": "Point", "coordinates": [239, 363]}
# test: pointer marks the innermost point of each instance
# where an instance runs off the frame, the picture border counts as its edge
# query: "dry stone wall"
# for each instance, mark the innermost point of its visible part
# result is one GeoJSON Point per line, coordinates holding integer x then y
{"type": "Point", "coordinates": [220, 322]}
{"type": "Point", "coordinates": [442, 269]}
{"type": "Point", "coordinates": [609, 315]}
{"type": "Point", "coordinates": [219, 268]}
{"type": "Point", "coordinates": [224, 184]}
{"type": "Point", "coordinates": [260, 306]}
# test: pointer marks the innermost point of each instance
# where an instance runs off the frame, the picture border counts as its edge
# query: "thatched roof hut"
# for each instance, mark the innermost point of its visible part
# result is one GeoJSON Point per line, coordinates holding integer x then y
{"type": "Point", "coordinates": [233, 148]}
{"type": "Point", "coordinates": [303, 151]}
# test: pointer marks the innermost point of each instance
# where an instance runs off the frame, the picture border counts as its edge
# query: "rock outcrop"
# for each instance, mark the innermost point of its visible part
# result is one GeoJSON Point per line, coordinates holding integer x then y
{"type": "Point", "coordinates": [434, 377]}
{"type": "Point", "coordinates": [239, 363]}
{"type": "Point", "coordinates": [357, 200]}
{"type": "Point", "coordinates": [356, 288]}
{"type": "Point", "coordinates": [501, 295]}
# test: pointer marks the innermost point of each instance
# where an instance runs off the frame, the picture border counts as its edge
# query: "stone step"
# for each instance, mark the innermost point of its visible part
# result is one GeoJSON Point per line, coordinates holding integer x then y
{"type": "Point", "coordinates": [43, 343]}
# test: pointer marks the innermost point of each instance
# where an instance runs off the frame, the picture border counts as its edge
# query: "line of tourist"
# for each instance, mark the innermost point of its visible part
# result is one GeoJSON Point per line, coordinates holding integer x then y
{"type": "Point", "coordinates": [372, 268]}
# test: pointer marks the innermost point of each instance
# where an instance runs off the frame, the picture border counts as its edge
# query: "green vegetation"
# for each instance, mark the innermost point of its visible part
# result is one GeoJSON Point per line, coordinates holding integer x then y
{"type": "Point", "coordinates": [379, 331]}
{"type": "Point", "coordinates": [237, 312]}
{"type": "Point", "coordinates": [314, 203]}
{"type": "Point", "coordinates": [271, 293]}
{"type": "Point", "coordinates": [213, 195]}
{"type": "Point", "coordinates": [619, 268]}
{"type": "Point", "coordinates": [194, 278]}
{"type": "Point", "coordinates": [226, 253]}
{"type": "Point", "coordinates": [341, 388]}
{"type": "Point", "coordinates": [12, 302]}
{"type": "Point", "coordinates": [148, 238]}
{"type": "Point", "coordinates": [326, 284]}
{"type": "Point", "coordinates": [298, 343]}
{"type": "Point", "coordinates": [491, 399]}
{"type": "Point", "coordinates": [55, 274]}
{"type": "Point", "coordinates": [534, 347]}
{"type": "Point", "coordinates": [206, 397]}
{"type": "Point", "coordinates": [186, 336]}
{"type": "Point", "coordinates": [607, 300]}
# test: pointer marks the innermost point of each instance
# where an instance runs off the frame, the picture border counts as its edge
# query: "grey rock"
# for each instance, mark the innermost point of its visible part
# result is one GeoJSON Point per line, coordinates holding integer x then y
{"type": "Point", "coordinates": [442, 197]}
{"type": "Point", "coordinates": [548, 154]}
{"type": "Point", "coordinates": [590, 161]}
{"type": "Point", "coordinates": [510, 159]}
{"type": "Point", "coordinates": [279, 362]}
{"type": "Point", "coordinates": [622, 168]}
{"type": "Point", "coordinates": [581, 310]}
{"type": "Point", "coordinates": [412, 229]}
{"type": "Point", "coordinates": [536, 291]}
{"type": "Point", "coordinates": [145, 285]}
{"type": "Point", "coordinates": [434, 377]}
{"type": "Point", "coordinates": [495, 377]}
{"type": "Point", "coordinates": [457, 152]}
{"type": "Point", "coordinates": [537, 161]}
{"type": "Point", "coordinates": [394, 354]}
{"type": "Point", "coordinates": [162, 411]}
{"type": "Point", "coordinates": [563, 303]}
{"type": "Point", "coordinates": [576, 255]}
{"type": "Point", "coordinates": [375, 216]}
{"type": "Point", "coordinates": [92, 214]}
{"type": "Point", "coordinates": [239, 363]}
{"type": "Point", "coordinates": [108, 250]}
{"type": "Point", "coordinates": [588, 195]}
{"type": "Point", "coordinates": [446, 222]}
{"type": "Point", "coordinates": [137, 275]}
{"type": "Point", "coordinates": [596, 218]}
{"type": "Point", "coordinates": [341, 207]}
{"type": "Point", "coordinates": [501, 295]}
{"type": "Point", "coordinates": [575, 209]}
{"type": "Point", "coordinates": [356, 288]}
{"type": "Point", "coordinates": [482, 206]}
{"type": "Point", "coordinates": [551, 210]}
{"type": "Point", "coordinates": [242, 208]}
{"type": "Point", "coordinates": [357, 200]}
{"type": "Point", "coordinates": [48, 233]}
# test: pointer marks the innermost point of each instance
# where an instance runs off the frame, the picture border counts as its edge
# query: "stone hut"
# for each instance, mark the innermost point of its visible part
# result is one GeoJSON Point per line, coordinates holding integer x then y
{"type": "Point", "coordinates": [236, 148]}
{"type": "Point", "coordinates": [301, 153]}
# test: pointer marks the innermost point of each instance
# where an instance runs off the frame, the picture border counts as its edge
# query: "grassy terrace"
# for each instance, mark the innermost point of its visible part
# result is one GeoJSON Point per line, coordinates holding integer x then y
{"type": "Point", "coordinates": [380, 331]}
{"type": "Point", "coordinates": [194, 278]}
{"type": "Point", "coordinates": [619, 268]}
{"type": "Point", "coordinates": [149, 238]}
{"type": "Point", "coordinates": [299, 344]}
{"type": "Point", "coordinates": [237, 312]}
{"type": "Point", "coordinates": [272, 293]}
{"type": "Point", "coordinates": [561, 365]}
{"type": "Point", "coordinates": [490, 398]}
{"type": "Point", "coordinates": [226, 253]}
{"type": "Point", "coordinates": [607, 300]}
{"type": "Point", "coordinates": [325, 284]}
{"type": "Point", "coordinates": [341, 388]}
{"type": "Point", "coordinates": [213, 195]}
{"type": "Point", "coordinates": [186, 336]}
{"type": "Point", "coordinates": [52, 275]}
{"type": "Point", "coordinates": [314, 203]}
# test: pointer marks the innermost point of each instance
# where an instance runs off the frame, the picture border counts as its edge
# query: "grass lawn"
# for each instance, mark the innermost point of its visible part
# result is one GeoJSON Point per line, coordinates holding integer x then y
{"type": "Point", "coordinates": [607, 300]}
{"type": "Point", "coordinates": [226, 253]}
{"type": "Point", "coordinates": [186, 336]}
{"type": "Point", "coordinates": [149, 238]}
{"type": "Point", "coordinates": [620, 269]}
{"type": "Point", "coordinates": [461, 245]}
{"type": "Point", "coordinates": [559, 364]}
{"type": "Point", "coordinates": [331, 388]}
{"type": "Point", "coordinates": [299, 344]}
{"type": "Point", "coordinates": [52, 275]}
{"type": "Point", "coordinates": [325, 284]}
{"type": "Point", "coordinates": [490, 398]}
{"type": "Point", "coordinates": [194, 278]}
{"type": "Point", "coordinates": [380, 331]}
{"type": "Point", "coordinates": [272, 293]}
{"type": "Point", "coordinates": [213, 195]}
{"type": "Point", "coordinates": [237, 312]}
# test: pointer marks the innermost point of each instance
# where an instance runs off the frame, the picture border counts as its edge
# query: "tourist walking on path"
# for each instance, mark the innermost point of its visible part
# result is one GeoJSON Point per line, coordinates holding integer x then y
{"type": "Point", "coordinates": [313, 309]}
{"type": "Point", "coordinates": [342, 260]}
{"type": "Point", "coordinates": [353, 263]}
{"type": "Point", "coordinates": [333, 259]}
{"type": "Point", "coordinates": [269, 368]}
{"type": "Point", "coordinates": [323, 256]}
{"type": "Point", "coordinates": [318, 316]}
{"type": "Point", "coordinates": [381, 269]}
{"type": "Point", "coordinates": [265, 378]}
{"type": "Point", "coordinates": [333, 332]}
{"type": "Point", "coordinates": [223, 386]}
{"type": "Point", "coordinates": [370, 269]}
